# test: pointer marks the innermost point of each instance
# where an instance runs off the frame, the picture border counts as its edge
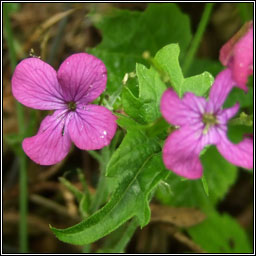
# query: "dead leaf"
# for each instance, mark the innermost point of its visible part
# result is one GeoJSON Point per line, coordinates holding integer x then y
{"type": "Point", "coordinates": [180, 217]}
{"type": "Point", "coordinates": [47, 24]}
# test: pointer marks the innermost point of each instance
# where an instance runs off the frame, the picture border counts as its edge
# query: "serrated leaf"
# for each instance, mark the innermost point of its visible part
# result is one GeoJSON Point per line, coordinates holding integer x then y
{"type": "Point", "coordinates": [145, 108]}
{"type": "Point", "coordinates": [168, 59]}
{"type": "Point", "coordinates": [220, 234]}
{"type": "Point", "coordinates": [198, 84]}
{"type": "Point", "coordinates": [133, 106]}
{"type": "Point", "coordinates": [219, 174]}
{"type": "Point", "coordinates": [151, 89]}
{"type": "Point", "coordinates": [136, 178]}
{"type": "Point", "coordinates": [136, 32]}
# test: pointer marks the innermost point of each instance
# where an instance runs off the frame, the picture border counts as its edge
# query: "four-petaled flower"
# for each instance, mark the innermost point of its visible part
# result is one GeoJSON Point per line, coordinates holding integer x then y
{"type": "Point", "coordinates": [80, 79]}
{"type": "Point", "coordinates": [237, 54]}
{"type": "Point", "coordinates": [201, 123]}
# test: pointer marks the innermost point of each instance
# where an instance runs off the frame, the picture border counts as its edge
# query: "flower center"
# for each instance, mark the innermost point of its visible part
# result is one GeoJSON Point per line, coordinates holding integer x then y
{"type": "Point", "coordinates": [209, 120]}
{"type": "Point", "coordinates": [72, 105]}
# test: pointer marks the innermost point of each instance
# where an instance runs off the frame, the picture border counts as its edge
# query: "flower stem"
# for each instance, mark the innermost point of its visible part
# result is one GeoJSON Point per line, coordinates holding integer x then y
{"type": "Point", "coordinates": [198, 36]}
{"type": "Point", "coordinates": [23, 236]}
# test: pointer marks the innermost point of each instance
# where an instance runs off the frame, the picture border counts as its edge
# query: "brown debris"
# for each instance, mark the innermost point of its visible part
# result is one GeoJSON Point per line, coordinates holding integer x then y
{"type": "Point", "coordinates": [180, 217]}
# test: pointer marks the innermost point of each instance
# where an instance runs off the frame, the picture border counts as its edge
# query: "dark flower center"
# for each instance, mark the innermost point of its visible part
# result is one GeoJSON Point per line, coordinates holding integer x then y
{"type": "Point", "coordinates": [72, 105]}
{"type": "Point", "coordinates": [209, 120]}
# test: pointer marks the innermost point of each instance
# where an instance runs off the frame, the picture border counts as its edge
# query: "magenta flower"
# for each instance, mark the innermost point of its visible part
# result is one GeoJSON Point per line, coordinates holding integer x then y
{"type": "Point", "coordinates": [80, 79]}
{"type": "Point", "coordinates": [201, 123]}
{"type": "Point", "coordinates": [237, 54]}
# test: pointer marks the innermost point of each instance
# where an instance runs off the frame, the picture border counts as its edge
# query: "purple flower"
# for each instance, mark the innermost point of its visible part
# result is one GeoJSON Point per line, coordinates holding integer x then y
{"type": "Point", "coordinates": [80, 79]}
{"type": "Point", "coordinates": [201, 123]}
{"type": "Point", "coordinates": [237, 54]}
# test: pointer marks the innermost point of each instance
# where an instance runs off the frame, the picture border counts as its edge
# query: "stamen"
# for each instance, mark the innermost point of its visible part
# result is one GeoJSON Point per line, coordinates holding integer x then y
{"type": "Point", "coordinates": [209, 120]}
{"type": "Point", "coordinates": [72, 105]}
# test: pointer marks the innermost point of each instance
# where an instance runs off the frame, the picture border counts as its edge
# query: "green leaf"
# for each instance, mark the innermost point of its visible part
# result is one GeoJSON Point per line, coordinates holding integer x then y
{"type": "Point", "coordinates": [117, 241]}
{"type": "Point", "coordinates": [136, 179]}
{"type": "Point", "coordinates": [220, 234]}
{"type": "Point", "coordinates": [133, 106]}
{"type": "Point", "coordinates": [128, 123]}
{"type": "Point", "coordinates": [205, 185]}
{"type": "Point", "coordinates": [198, 84]}
{"type": "Point", "coordinates": [136, 146]}
{"type": "Point", "coordinates": [238, 95]}
{"type": "Point", "coordinates": [236, 132]}
{"type": "Point", "coordinates": [127, 34]}
{"type": "Point", "coordinates": [219, 175]}
{"type": "Point", "coordinates": [144, 109]}
{"type": "Point", "coordinates": [84, 206]}
{"type": "Point", "coordinates": [201, 65]}
{"type": "Point", "coordinates": [168, 59]}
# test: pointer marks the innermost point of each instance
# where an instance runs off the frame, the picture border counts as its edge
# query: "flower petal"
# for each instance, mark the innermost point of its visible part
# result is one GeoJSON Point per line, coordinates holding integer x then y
{"type": "Point", "coordinates": [220, 89]}
{"type": "Point", "coordinates": [51, 144]}
{"type": "Point", "coordinates": [243, 59]}
{"type": "Point", "coordinates": [194, 103]}
{"type": "Point", "coordinates": [227, 113]}
{"type": "Point", "coordinates": [240, 154]}
{"type": "Point", "coordinates": [181, 111]}
{"type": "Point", "coordinates": [34, 84]}
{"type": "Point", "coordinates": [92, 127]}
{"type": "Point", "coordinates": [237, 54]}
{"type": "Point", "coordinates": [83, 78]}
{"type": "Point", "coordinates": [227, 50]}
{"type": "Point", "coordinates": [181, 152]}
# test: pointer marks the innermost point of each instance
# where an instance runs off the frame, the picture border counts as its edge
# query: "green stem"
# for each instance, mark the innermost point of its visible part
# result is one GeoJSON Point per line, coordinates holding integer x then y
{"type": "Point", "coordinates": [84, 184]}
{"type": "Point", "coordinates": [126, 237]}
{"type": "Point", "coordinates": [100, 192]}
{"type": "Point", "coordinates": [101, 187]}
{"type": "Point", "coordinates": [23, 201]}
{"type": "Point", "coordinates": [9, 37]}
{"type": "Point", "coordinates": [198, 36]}
{"type": "Point", "coordinates": [245, 12]}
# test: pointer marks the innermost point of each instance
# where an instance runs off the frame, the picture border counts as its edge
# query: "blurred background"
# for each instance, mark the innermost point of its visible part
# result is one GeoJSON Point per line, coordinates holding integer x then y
{"type": "Point", "coordinates": [54, 31]}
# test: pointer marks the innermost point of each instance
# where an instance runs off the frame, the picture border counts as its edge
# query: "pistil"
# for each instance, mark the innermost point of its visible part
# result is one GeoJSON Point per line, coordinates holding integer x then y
{"type": "Point", "coordinates": [209, 120]}
{"type": "Point", "coordinates": [72, 105]}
